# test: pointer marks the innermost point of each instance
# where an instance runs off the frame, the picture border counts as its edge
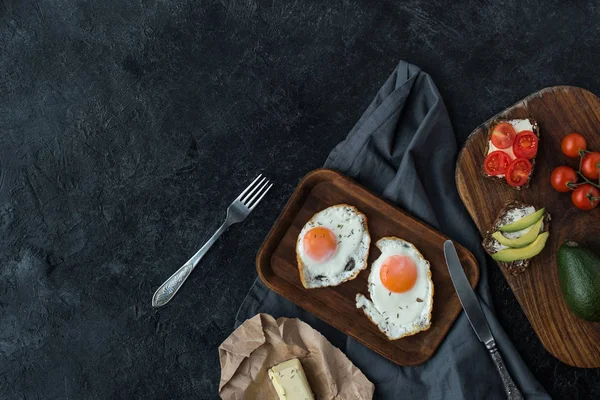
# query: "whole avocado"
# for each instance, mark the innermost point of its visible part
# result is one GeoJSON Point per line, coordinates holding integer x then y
{"type": "Point", "coordinates": [579, 276]}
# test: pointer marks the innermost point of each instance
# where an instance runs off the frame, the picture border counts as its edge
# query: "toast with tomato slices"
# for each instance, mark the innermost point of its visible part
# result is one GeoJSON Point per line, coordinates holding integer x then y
{"type": "Point", "coordinates": [522, 146]}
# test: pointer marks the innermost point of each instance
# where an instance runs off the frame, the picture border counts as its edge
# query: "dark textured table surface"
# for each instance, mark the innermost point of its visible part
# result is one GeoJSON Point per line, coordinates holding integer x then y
{"type": "Point", "coordinates": [127, 127]}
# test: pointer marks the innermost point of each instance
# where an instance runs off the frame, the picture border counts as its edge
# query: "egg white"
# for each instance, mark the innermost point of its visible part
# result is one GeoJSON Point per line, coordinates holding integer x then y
{"type": "Point", "coordinates": [353, 240]}
{"type": "Point", "coordinates": [399, 314]}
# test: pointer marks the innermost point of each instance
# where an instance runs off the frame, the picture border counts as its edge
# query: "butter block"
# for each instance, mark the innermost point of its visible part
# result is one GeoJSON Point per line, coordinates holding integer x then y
{"type": "Point", "coordinates": [289, 381]}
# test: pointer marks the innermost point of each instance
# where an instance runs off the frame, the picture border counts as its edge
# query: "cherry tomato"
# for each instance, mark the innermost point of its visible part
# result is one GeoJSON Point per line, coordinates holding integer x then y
{"type": "Point", "coordinates": [518, 172]}
{"type": "Point", "coordinates": [561, 176]}
{"type": "Point", "coordinates": [572, 144]}
{"type": "Point", "coordinates": [503, 135]}
{"type": "Point", "coordinates": [586, 197]}
{"type": "Point", "coordinates": [590, 165]}
{"type": "Point", "coordinates": [526, 145]}
{"type": "Point", "coordinates": [496, 163]}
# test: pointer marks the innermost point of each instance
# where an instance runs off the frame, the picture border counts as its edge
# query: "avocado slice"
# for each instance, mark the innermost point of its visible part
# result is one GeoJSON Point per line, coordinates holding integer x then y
{"type": "Point", "coordinates": [524, 240]}
{"type": "Point", "coordinates": [524, 253]}
{"type": "Point", "coordinates": [524, 222]}
{"type": "Point", "coordinates": [579, 277]}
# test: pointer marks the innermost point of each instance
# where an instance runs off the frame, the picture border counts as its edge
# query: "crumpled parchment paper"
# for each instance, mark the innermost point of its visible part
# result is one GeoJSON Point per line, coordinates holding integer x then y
{"type": "Point", "coordinates": [262, 342]}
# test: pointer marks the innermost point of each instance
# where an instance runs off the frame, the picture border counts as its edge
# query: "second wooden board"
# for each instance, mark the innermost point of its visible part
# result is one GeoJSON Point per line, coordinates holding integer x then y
{"type": "Point", "coordinates": [559, 110]}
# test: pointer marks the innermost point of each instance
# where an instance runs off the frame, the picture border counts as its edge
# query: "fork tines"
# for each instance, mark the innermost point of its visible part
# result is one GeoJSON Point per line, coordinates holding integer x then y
{"type": "Point", "coordinates": [250, 198]}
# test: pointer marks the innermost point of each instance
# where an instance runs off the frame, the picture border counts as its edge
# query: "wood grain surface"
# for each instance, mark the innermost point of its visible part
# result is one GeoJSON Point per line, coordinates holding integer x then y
{"type": "Point", "coordinates": [559, 110]}
{"type": "Point", "coordinates": [277, 267]}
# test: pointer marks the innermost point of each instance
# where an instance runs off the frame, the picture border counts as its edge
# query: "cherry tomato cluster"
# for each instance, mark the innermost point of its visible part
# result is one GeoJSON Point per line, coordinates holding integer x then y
{"type": "Point", "coordinates": [585, 193]}
{"type": "Point", "coordinates": [512, 158]}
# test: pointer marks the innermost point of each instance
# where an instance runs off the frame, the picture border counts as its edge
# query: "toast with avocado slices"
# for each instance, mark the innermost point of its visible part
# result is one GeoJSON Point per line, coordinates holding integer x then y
{"type": "Point", "coordinates": [519, 233]}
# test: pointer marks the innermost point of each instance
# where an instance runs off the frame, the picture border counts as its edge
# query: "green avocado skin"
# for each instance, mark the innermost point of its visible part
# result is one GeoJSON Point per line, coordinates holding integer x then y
{"type": "Point", "coordinates": [579, 276]}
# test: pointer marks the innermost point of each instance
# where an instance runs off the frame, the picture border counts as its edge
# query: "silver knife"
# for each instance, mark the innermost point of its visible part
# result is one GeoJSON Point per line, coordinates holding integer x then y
{"type": "Point", "coordinates": [472, 308]}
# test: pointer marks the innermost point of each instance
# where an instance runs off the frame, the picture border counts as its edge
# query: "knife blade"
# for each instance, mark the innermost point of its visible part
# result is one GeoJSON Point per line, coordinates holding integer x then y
{"type": "Point", "coordinates": [467, 296]}
{"type": "Point", "coordinates": [476, 318]}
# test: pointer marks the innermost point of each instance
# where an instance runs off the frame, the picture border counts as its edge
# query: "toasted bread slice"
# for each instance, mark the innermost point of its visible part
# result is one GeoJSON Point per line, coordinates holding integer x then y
{"type": "Point", "coordinates": [354, 265]}
{"type": "Point", "coordinates": [491, 245]}
{"type": "Point", "coordinates": [502, 179]}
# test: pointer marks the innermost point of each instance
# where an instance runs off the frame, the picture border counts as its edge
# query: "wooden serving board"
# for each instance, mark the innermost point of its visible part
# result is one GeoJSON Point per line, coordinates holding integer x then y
{"type": "Point", "coordinates": [559, 110]}
{"type": "Point", "coordinates": [277, 266]}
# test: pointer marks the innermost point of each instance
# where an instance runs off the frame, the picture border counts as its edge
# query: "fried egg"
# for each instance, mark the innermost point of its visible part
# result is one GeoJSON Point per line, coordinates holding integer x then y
{"type": "Point", "coordinates": [333, 246]}
{"type": "Point", "coordinates": [400, 288]}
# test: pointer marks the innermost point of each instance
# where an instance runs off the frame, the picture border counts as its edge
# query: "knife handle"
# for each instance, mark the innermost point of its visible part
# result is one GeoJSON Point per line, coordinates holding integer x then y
{"type": "Point", "coordinates": [512, 393]}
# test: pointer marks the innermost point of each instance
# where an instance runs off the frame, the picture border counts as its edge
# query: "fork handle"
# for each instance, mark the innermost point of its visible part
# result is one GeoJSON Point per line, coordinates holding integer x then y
{"type": "Point", "coordinates": [167, 290]}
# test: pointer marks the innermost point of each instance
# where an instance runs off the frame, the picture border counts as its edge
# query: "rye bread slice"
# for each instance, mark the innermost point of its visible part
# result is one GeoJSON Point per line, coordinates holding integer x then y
{"type": "Point", "coordinates": [502, 179]}
{"type": "Point", "coordinates": [354, 265]}
{"type": "Point", "coordinates": [513, 267]}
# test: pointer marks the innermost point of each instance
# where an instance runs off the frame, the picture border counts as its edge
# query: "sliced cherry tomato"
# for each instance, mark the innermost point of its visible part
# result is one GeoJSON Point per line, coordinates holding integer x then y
{"type": "Point", "coordinates": [561, 177]}
{"type": "Point", "coordinates": [590, 165]}
{"type": "Point", "coordinates": [503, 135]}
{"type": "Point", "coordinates": [572, 144]}
{"type": "Point", "coordinates": [526, 145]}
{"type": "Point", "coordinates": [518, 172]}
{"type": "Point", "coordinates": [496, 163]}
{"type": "Point", "coordinates": [586, 197]}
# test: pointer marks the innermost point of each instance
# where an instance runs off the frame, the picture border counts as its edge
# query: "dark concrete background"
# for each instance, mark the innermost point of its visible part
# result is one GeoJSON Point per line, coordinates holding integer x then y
{"type": "Point", "coordinates": [127, 127]}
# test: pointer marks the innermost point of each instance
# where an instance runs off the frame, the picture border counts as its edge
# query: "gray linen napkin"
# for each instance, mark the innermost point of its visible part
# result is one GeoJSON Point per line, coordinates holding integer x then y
{"type": "Point", "coordinates": [404, 149]}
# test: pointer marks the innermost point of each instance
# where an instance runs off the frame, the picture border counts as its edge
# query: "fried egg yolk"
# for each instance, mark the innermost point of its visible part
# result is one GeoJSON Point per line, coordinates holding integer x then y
{"type": "Point", "coordinates": [320, 243]}
{"type": "Point", "coordinates": [398, 273]}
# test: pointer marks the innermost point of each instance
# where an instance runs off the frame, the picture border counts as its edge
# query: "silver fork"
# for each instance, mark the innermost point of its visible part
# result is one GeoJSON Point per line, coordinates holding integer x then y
{"type": "Point", "coordinates": [237, 211]}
